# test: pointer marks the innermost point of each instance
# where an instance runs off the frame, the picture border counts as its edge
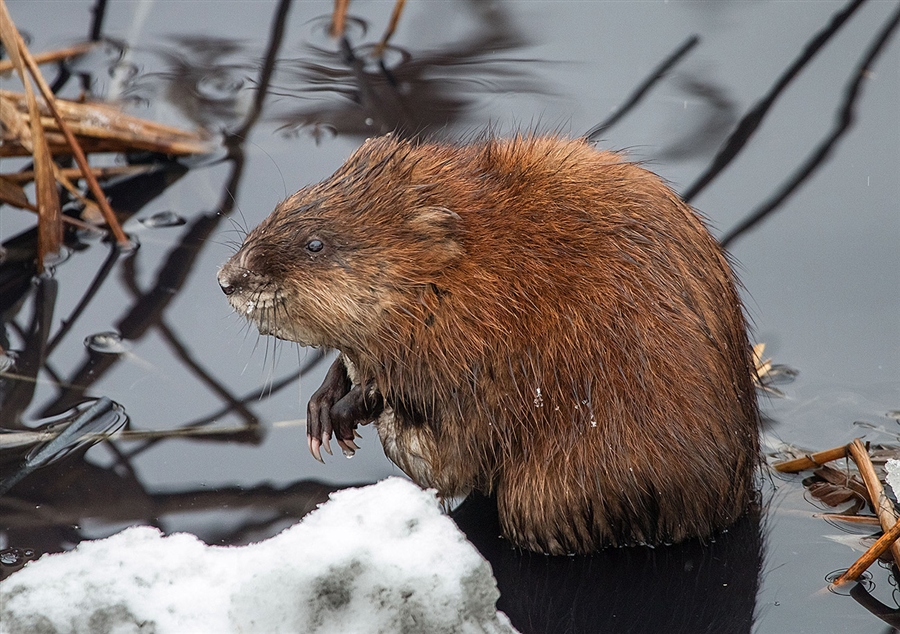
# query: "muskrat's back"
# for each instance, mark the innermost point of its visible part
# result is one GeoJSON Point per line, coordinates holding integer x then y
{"type": "Point", "coordinates": [542, 320]}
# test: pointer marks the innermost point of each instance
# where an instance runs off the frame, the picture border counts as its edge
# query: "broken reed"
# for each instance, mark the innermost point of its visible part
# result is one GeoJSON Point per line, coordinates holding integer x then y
{"type": "Point", "coordinates": [887, 516]}
{"type": "Point", "coordinates": [43, 126]}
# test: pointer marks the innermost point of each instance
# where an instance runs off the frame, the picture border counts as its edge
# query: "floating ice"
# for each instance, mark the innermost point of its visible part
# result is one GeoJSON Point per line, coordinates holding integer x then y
{"type": "Point", "coordinates": [892, 467]}
{"type": "Point", "coordinates": [381, 558]}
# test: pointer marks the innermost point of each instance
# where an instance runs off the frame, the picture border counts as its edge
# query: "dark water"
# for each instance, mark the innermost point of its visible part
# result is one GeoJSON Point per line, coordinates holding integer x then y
{"type": "Point", "coordinates": [797, 102]}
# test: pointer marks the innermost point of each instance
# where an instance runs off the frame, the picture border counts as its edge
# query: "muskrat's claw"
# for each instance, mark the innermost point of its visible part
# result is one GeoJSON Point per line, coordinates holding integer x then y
{"type": "Point", "coordinates": [319, 426]}
{"type": "Point", "coordinates": [314, 444]}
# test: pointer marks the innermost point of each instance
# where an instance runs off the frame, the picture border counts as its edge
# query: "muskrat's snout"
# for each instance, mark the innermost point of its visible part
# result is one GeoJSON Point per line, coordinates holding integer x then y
{"type": "Point", "coordinates": [228, 278]}
{"type": "Point", "coordinates": [256, 291]}
{"type": "Point", "coordinates": [240, 283]}
{"type": "Point", "coordinates": [234, 274]}
{"type": "Point", "coordinates": [227, 287]}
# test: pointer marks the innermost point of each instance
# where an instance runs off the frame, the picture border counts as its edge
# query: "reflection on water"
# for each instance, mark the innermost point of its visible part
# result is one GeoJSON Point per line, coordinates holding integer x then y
{"type": "Point", "coordinates": [689, 587]}
{"type": "Point", "coordinates": [713, 119]}
{"type": "Point", "coordinates": [351, 94]}
{"type": "Point", "coordinates": [205, 78]}
{"type": "Point", "coordinates": [48, 441]}
{"type": "Point", "coordinates": [281, 80]}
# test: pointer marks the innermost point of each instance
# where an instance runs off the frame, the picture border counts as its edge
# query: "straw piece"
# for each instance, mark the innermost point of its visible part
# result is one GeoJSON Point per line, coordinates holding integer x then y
{"type": "Point", "coordinates": [810, 461]}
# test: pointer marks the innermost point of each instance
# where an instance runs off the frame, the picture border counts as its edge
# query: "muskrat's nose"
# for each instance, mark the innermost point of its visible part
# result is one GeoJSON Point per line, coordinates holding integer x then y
{"type": "Point", "coordinates": [227, 287]}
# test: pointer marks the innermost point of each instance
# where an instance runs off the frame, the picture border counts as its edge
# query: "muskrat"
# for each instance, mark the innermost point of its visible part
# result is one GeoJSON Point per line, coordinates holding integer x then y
{"type": "Point", "coordinates": [529, 317]}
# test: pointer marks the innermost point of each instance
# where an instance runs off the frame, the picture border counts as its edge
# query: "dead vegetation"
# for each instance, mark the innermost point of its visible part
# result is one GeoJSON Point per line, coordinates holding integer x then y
{"type": "Point", "coordinates": [54, 132]}
{"type": "Point", "coordinates": [834, 486]}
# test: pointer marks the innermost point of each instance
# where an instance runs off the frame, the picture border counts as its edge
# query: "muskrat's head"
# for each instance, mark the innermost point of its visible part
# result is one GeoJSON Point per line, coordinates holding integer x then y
{"type": "Point", "coordinates": [339, 263]}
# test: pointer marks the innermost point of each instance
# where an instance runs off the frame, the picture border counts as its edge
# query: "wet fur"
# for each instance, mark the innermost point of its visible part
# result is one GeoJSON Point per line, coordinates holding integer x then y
{"type": "Point", "coordinates": [545, 321]}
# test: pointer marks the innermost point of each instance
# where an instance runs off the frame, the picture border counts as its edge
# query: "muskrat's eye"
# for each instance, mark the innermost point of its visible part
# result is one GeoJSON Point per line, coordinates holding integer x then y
{"type": "Point", "coordinates": [315, 245]}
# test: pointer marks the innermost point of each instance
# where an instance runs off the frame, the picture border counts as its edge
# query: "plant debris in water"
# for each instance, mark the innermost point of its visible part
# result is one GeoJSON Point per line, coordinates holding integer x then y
{"type": "Point", "coordinates": [36, 123]}
{"type": "Point", "coordinates": [866, 486]}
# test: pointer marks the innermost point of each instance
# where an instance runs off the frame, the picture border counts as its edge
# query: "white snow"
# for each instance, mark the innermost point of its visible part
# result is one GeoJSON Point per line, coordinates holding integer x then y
{"type": "Point", "coordinates": [892, 467]}
{"type": "Point", "coordinates": [381, 558]}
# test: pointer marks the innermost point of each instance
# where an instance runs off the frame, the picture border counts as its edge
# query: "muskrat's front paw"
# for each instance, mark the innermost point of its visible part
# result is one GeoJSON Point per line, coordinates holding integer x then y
{"type": "Point", "coordinates": [360, 406]}
{"type": "Point", "coordinates": [319, 424]}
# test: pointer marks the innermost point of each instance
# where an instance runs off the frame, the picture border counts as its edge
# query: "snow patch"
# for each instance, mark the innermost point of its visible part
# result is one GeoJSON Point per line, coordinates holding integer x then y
{"type": "Point", "coordinates": [381, 558]}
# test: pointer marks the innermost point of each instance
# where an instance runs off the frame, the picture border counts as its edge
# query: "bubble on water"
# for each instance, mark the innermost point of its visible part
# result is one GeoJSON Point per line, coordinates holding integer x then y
{"type": "Point", "coordinates": [16, 556]}
{"type": "Point", "coordinates": [163, 219]}
{"type": "Point", "coordinates": [106, 342]}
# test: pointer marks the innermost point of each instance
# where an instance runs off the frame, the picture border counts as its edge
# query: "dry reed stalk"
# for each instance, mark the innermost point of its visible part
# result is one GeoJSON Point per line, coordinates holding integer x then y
{"type": "Point", "coordinates": [53, 56]}
{"type": "Point", "coordinates": [77, 153]}
{"type": "Point", "coordinates": [99, 127]}
{"type": "Point", "coordinates": [811, 460]}
{"type": "Point", "coordinates": [887, 540]}
{"type": "Point", "coordinates": [884, 508]}
{"type": "Point", "coordinates": [49, 212]}
{"type": "Point", "coordinates": [73, 173]}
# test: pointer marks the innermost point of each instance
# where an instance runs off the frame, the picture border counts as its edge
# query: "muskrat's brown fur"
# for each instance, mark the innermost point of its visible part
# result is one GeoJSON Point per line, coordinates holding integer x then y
{"type": "Point", "coordinates": [544, 321]}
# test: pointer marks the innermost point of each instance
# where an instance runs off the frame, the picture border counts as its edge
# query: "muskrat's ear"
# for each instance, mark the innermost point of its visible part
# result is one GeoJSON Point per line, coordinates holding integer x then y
{"type": "Point", "coordinates": [437, 228]}
{"type": "Point", "coordinates": [438, 223]}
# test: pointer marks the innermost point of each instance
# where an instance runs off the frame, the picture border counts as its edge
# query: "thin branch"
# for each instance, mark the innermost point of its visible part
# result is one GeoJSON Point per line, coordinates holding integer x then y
{"type": "Point", "coordinates": [812, 460]}
{"type": "Point", "coordinates": [23, 178]}
{"type": "Point", "coordinates": [880, 501]}
{"type": "Point", "coordinates": [52, 56]}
